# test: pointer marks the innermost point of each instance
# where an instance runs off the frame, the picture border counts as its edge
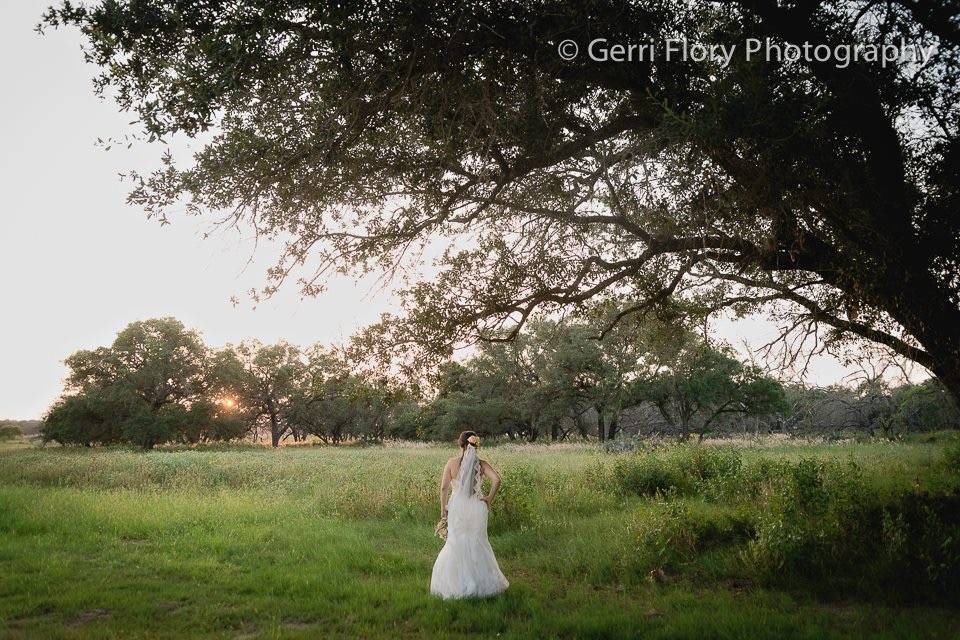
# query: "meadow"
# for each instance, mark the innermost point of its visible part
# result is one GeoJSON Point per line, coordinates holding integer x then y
{"type": "Point", "coordinates": [754, 539]}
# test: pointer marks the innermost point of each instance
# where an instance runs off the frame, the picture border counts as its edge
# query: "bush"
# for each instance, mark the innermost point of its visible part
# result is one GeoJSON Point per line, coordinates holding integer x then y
{"type": "Point", "coordinates": [951, 458]}
{"type": "Point", "coordinates": [923, 407]}
{"type": "Point", "coordinates": [684, 469]}
{"type": "Point", "coordinates": [920, 544]}
{"type": "Point", "coordinates": [714, 470]}
{"type": "Point", "coordinates": [672, 534]}
{"type": "Point", "coordinates": [10, 432]}
{"type": "Point", "coordinates": [665, 537]}
{"type": "Point", "coordinates": [516, 501]}
{"type": "Point", "coordinates": [647, 474]}
{"type": "Point", "coordinates": [817, 526]}
{"type": "Point", "coordinates": [810, 521]}
{"type": "Point", "coordinates": [753, 480]}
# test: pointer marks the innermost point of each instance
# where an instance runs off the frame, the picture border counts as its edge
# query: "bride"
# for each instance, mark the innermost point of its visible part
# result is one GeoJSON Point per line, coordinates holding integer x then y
{"type": "Point", "coordinates": [466, 567]}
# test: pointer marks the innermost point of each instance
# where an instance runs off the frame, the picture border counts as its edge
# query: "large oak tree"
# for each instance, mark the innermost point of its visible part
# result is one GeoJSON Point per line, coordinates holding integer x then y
{"type": "Point", "coordinates": [263, 381]}
{"type": "Point", "coordinates": [358, 133]}
{"type": "Point", "coordinates": [150, 386]}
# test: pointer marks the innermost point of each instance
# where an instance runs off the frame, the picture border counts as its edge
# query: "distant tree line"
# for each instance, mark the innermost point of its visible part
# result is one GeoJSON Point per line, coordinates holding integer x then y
{"type": "Point", "coordinates": [158, 383]}
{"type": "Point", "coordinates": [873, 407]}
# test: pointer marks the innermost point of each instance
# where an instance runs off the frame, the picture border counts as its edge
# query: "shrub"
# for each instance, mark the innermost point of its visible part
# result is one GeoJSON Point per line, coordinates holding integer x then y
{"type": "Point", "coordinates": [920, 544]}
{"type": "Point", "coordinates": [818, 526]}
{"type": "Point", "coordinates": [714, 471]}
{"type": "Point", "coordinates": [646, 474]}
{"type": "Point", "coordinates": [665, 537]}
{"type": "Point", "coordinates": [752, 480]}
{"type": "Point", "coordinates": [672, 534]}
{"type": "Point", "coordinates": [678, 470]}
{"type": "Point", "coordinates": [516, 501]}
{"type": "Point", "coordinates": [10, 432]}
{"type": "Point", "coordinates": [809, 521]}
{"type": "Point", "coordinates": [951, 458]}
{"type": "Point", "coordinates": [715, 462]}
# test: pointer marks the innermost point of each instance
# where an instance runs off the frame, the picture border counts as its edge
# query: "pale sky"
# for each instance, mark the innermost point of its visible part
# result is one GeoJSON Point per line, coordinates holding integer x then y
{"type": "Point", "coordinates": [78, 264]}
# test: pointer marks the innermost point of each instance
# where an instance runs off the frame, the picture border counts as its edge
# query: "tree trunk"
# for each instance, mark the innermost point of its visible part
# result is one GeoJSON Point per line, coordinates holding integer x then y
{"type": "Point", "coordinates": [274, 430]}
{"type": "Point", "coordinates": [941, 340]}
{"type": "Point", "coordinates": [582, 427]}
{"type": "Point", "coordinates": [614, 425]}
{"type": "Point", "coordinates": [948, 373]}
{"type": "Point", "coordinates": [925, 309]}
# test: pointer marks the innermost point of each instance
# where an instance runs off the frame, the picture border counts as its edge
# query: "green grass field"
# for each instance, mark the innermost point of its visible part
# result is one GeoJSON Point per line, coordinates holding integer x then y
{"type": "Point", "coordinates": [307, 542]}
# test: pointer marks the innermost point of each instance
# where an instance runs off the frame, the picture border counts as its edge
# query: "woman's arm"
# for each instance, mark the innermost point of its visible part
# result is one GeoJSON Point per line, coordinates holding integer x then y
{"type": "Point", "coordinates": [444, 489]}
{"type": "Point", "coordinates": [491, 473]}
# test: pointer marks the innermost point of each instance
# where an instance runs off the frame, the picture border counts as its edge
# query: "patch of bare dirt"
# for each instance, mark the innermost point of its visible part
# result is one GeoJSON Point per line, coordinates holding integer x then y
{"type": "Point", "coordinates": [85, 617]}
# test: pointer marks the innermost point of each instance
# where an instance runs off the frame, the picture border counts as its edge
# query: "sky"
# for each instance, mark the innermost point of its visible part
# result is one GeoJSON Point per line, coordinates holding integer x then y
{"type": "Point", "coordinates": [77, 264]}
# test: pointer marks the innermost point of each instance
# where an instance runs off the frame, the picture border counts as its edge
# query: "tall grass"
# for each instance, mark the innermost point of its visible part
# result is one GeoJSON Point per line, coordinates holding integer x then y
{"type": "Point", "coordinates": [765, 540]}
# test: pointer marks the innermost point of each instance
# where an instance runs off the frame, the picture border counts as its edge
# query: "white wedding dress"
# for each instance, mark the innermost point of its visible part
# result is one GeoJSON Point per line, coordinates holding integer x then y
{"type": "Point", "coordinates": [466, 566]}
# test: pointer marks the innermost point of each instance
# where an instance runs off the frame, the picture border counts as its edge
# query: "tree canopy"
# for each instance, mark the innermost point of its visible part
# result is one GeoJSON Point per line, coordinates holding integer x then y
{"type": "Point", "coordinates": [158, 383]}
{"type": "Point", "coordinates": [149, 387]}
{"type": "Point", "coordinates": [363, 133]}
{"type": "Point", "coordinates": [261, 380]}
{"type": "Point", "coordinates": [703, 384]}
